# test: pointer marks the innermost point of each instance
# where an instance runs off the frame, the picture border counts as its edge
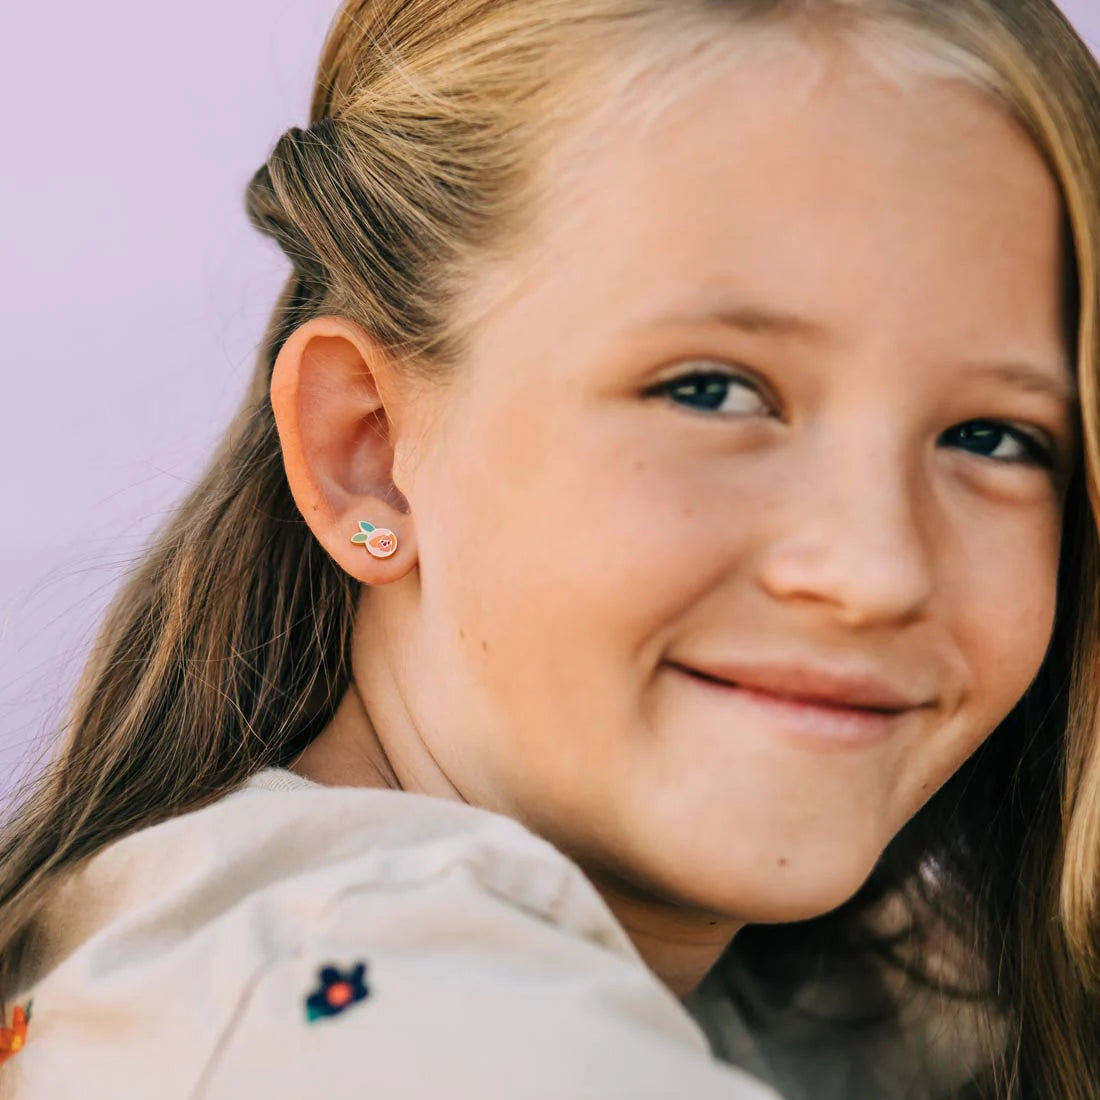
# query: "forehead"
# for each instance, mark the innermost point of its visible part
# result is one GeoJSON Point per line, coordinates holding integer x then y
{"type": "Point", "coordinates": [801, 177]}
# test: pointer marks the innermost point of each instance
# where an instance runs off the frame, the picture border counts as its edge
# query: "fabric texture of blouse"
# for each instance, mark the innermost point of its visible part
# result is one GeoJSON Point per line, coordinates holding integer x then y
{"type": "Point", "coordinates": [294, 940]}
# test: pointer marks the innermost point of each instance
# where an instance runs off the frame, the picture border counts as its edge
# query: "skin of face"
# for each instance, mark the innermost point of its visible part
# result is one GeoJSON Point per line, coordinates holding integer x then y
{"type": "Point", "coordinates": [567, 531]}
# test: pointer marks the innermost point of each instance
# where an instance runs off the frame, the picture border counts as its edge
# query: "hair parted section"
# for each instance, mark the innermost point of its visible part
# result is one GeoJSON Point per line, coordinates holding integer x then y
{"type": "Point", "coordinates": [435, 129]}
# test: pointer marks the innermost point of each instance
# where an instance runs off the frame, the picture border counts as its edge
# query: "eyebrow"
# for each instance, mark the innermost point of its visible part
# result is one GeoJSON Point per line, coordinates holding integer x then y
{"type": "Point", "coordinates": [1060, 384]}
{"type": "Point", "coordinates": [755, 319]}
{"type": "Point", "coordinates": [751, 318]}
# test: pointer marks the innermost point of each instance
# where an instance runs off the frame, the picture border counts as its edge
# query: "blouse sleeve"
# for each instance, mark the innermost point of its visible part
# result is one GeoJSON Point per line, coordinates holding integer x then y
{"type": "Point", "coordinates": [445, 988]}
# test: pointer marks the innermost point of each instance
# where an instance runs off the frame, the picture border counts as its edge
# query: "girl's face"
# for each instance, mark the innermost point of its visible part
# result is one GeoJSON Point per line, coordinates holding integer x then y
{"type": "Point", "coordinates": [782, 394]}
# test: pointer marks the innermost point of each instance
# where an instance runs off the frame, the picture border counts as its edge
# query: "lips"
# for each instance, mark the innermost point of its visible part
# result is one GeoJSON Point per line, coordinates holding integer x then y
{"type": "Point", "coordinates": [812, 684]}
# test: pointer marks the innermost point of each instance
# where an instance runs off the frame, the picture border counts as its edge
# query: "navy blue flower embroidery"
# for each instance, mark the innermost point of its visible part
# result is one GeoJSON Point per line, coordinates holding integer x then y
{"type": "Point", "coordinates": [337, 990]}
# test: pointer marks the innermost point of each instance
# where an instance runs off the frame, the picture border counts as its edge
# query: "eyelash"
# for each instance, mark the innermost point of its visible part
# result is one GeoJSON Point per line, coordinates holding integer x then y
{"type": "Point", "coordinates": [1038, 454]}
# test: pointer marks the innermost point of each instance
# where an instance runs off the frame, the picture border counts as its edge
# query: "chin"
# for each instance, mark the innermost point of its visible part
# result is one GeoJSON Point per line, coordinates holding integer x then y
{"type": "Point", "coordinates": [782, 908]}
{"type": "Point", "coordinates": [768, 890]}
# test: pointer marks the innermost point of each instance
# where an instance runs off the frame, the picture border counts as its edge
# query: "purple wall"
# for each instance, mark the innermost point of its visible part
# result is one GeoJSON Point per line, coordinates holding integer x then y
{"type": "Point", "coordinates": [133, 292]}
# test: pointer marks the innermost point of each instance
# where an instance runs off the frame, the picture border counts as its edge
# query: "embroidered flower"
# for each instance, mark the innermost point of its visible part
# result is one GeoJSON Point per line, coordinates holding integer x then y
{"type": "Point", "coordinates": [12, 1038]}
{"type": "Point", "coordinates": [337, 990]}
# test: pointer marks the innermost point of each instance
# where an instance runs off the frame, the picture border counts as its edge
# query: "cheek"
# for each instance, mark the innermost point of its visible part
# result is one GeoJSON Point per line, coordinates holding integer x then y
{"type": "Point", "coordinates": [558, 584]}
{"type": "Point", "coordinates": [571, 535]}
{"type": "Point", "coordinates": [1000, 612]}
{"type": "Point", "coordinates": [1006, 620]}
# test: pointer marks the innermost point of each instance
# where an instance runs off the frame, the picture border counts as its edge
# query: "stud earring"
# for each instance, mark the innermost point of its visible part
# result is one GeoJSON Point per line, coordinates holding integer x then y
{"type": "Point", "coordinates": [380, 542]}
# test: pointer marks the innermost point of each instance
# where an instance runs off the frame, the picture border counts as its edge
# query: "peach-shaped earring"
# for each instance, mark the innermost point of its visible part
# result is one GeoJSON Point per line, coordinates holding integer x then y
{"type": "Point", "coordinates": [380, 542]}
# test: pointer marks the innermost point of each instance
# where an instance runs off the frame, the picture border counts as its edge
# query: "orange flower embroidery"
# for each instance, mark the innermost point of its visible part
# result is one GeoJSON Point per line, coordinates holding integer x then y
{"type": "Point", "coordinates": [12, 1038]}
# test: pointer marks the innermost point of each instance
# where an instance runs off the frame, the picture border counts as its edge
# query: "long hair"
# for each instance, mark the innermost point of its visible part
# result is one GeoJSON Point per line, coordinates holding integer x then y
{"type": "Point", "coordinates": [227, 648]}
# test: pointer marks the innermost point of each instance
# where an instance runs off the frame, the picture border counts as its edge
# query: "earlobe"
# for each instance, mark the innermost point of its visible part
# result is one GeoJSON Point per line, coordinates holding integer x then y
{"type": "Point", "coordinates": [335, 433]}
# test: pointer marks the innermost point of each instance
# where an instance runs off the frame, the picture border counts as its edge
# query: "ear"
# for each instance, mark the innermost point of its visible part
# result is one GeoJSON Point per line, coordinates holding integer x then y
{"type": "Point", "coordinates": [337, 438]}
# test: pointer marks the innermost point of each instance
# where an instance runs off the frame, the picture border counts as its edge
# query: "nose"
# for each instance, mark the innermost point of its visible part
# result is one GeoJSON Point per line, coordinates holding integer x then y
{"type": "Point", "coordinates": [853, 531]}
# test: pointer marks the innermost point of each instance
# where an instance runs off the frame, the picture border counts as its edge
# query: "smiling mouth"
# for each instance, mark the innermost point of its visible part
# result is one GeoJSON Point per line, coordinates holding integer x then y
{"type": "Point", "coordinates": [804, 700]}
{"type": "Point", "coordinates": [807, 722]}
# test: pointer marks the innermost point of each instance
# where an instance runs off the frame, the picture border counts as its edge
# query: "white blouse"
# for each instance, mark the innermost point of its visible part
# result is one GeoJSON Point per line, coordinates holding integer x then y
{"type": "Point", "coordinates": [297, 940]}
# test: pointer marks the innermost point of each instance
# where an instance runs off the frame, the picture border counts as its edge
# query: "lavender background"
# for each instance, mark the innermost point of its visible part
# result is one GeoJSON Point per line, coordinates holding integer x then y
{"type": "Point", "coordinates": [133, 293]}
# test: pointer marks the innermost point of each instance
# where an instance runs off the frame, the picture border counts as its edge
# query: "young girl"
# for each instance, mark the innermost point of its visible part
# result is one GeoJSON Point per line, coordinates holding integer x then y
{"type": "Point", "coordinates": [640, 635]}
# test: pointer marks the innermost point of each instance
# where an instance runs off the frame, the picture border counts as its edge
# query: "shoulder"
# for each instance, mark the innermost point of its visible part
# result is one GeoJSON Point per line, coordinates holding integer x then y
{"type": "Point", "coordinates": [280, 837]}
{"type": "Point", "coordinates": [292, 935]}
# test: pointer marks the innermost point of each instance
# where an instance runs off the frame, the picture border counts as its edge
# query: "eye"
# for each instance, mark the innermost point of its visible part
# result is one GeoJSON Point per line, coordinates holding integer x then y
{"type": "Point", "coordinates": [732, 393]}
{"type": "Point", "coordinates": [710, 391]}
{"type": "Point", "coordinates": [1002, 443]}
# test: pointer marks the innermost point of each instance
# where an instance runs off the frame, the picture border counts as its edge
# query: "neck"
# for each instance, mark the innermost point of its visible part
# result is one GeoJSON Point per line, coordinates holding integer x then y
{"type": "Point", "coordinates": [347, 752]}
{"type": "Point", "coordinates": [678, 944]}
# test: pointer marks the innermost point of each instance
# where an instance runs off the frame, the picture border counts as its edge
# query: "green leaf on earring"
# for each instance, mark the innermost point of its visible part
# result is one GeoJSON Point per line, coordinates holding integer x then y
{"type": "Point", "coordinates": [360, 537]}
{"type": "Point", "coordinates": [366, 526]}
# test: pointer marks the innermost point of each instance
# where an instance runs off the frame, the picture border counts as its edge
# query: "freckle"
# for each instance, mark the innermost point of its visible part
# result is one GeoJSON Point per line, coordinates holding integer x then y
{"type": "Point", "coordinates": [639, 466]}
{"type": "Point", "coordinates": [783, 863]}
{"type": "Point", "coordinates": [485, 645]}
{"type": "Point", "coordinates": [461, 632]}
{"type": "Point", "coordinates": [687, 513]}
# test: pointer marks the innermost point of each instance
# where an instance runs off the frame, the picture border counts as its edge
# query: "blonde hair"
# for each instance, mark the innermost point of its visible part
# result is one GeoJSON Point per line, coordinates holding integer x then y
{"type": "Point", "coordinates": [227, 650]}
